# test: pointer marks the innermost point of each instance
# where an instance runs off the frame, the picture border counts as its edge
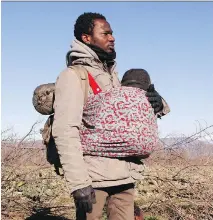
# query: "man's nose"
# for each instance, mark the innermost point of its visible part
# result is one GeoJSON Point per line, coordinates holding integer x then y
{"type": "Point", "coordinates": [111, 38]}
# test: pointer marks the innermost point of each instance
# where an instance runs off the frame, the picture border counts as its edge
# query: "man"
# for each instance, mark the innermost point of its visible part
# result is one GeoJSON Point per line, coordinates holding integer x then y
{"type": "Point", "coordinates": [93, 179]}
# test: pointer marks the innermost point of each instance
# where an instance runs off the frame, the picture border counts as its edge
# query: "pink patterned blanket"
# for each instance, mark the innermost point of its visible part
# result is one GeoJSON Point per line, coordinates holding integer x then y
{"type": "Point", "coordinates": [119, 123]}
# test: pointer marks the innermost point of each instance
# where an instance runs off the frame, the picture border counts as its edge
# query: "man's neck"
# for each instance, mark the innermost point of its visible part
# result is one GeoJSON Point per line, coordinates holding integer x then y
{"type": "Point", "coordinates": [103, 56]}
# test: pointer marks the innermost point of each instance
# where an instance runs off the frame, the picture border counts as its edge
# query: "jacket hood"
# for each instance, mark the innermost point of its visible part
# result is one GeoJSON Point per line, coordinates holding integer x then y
{"type": "Point", "coordinates": [81, 52]}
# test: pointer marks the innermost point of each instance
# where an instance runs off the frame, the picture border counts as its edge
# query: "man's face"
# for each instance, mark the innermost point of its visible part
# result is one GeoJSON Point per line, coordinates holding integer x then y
{"type": "Point", "coordinates": [102, 36]}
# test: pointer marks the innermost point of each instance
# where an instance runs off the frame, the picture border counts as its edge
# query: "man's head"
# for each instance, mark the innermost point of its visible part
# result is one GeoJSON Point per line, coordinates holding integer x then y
{"type": "Point", "coordinates": [93, 29]}
{"type": "Point", "coordinates": [138, 78]}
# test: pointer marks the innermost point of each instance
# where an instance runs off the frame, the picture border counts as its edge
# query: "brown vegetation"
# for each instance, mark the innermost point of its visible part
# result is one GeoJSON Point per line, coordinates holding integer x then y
{"type": "Point", "coordinates": [178, 181]}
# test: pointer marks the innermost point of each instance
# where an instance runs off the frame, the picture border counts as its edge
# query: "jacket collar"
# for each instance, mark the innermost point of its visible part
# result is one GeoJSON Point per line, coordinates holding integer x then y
{"type": "Point", "coordinates": [82, 54]}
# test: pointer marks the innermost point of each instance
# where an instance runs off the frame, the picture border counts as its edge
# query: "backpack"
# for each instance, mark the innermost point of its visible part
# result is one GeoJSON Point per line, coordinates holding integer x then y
{"type": "Point", "coordinates": [43, 99]}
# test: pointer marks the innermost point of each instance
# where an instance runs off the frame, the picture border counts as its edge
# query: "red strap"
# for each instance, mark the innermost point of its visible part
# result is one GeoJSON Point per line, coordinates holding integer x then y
{"type": "Point", "coordinates": [95, 87]}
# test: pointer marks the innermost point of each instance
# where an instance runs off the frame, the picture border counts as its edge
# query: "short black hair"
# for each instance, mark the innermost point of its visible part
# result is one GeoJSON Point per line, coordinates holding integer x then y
{"type": "Point", "coordinates": [85, 24]}
{"type": "Point", "coordinates": [138, 78]}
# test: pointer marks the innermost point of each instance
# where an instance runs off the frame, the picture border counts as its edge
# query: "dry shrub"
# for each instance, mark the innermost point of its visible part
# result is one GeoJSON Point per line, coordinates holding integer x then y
{"type": "Point", "coordinates": [30, 186]}
{"type": "Point", "coordinates": [178, 182]}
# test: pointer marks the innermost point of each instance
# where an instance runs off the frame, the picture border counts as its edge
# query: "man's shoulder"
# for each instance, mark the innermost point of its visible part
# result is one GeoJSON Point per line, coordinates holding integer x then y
{"type": "Point", "coordinates": [65, 71]}
{"type": "Point", "coordinates": [68, 69]}
{"type": "Point", "coordinates": [72, 72]}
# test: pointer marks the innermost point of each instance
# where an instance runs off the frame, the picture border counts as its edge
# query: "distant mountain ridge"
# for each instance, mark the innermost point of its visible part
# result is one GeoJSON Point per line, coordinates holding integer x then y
{"type": "Point", "coordinates": [192, 146]}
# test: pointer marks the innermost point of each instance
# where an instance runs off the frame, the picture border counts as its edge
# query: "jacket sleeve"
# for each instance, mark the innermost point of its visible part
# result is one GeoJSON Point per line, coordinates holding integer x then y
{"type": "Point", "coordinates": [68, 107]}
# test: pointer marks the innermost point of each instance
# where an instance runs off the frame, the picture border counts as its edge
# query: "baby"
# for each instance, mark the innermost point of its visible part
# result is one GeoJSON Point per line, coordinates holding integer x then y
{"type": "Point", "coordinates": [120, 122]}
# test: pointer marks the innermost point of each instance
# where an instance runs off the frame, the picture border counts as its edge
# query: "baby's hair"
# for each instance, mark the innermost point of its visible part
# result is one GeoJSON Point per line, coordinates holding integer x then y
{"type": "Point", "coordinates": [138, 78]}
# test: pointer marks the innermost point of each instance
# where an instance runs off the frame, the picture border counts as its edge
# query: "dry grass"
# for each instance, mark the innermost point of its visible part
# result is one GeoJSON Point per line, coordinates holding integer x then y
{"type": "Point", "coordinates": [174, 186]}
{"type": "Point", "coordinates": [177, 192]}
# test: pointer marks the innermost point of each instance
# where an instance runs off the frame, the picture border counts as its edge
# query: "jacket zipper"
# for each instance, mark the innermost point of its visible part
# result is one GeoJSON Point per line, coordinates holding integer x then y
{"type": "Point", "coordinates": [110, 75]}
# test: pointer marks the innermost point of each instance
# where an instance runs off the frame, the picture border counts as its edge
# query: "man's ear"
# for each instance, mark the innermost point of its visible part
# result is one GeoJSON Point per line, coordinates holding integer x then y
{"type": "Point", "coordinates": [86, 38]}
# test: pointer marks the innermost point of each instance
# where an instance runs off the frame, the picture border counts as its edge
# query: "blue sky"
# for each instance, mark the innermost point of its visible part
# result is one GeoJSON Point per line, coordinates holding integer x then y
{"type": "Point", "coordinates": [173, 41]}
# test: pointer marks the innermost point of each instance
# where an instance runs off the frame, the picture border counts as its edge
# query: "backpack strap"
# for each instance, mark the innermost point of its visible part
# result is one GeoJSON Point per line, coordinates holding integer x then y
{"type": "Point", "coordinates": [86, 80]}
{"type": "Point", "coordinates": [82, 74]}
{"type": "Point", "coordinates": [93, 84]}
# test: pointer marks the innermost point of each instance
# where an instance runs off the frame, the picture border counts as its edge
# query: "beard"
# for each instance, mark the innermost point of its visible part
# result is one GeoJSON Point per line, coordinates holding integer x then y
{"type": "Point", "coordinates": [102, 54]}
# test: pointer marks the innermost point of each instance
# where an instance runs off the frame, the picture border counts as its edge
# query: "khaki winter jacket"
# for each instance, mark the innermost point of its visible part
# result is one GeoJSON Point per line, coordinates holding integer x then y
{"type": "Point", "coordinates": [81, 171]}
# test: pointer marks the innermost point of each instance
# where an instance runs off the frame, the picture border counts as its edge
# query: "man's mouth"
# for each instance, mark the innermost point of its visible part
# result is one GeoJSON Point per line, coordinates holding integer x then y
{"type": "Point", "coordinates": [111, 46]}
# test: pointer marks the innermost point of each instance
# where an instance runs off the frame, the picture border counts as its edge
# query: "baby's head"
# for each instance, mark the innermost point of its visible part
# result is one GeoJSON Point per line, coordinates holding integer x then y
{"type": "Point", "coordinates": [138, 78]}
